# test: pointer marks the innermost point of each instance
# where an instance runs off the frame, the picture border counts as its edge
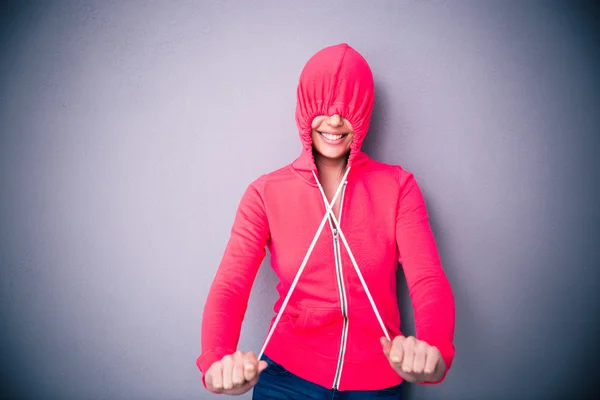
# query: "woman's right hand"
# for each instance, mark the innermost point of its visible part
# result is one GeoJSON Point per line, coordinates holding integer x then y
{"type": "Point", "coordinates": [234, 374]}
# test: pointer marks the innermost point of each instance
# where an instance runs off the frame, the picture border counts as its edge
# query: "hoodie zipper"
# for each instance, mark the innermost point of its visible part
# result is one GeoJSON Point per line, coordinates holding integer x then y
{"type": "Point", "coordinates": [343, 299]}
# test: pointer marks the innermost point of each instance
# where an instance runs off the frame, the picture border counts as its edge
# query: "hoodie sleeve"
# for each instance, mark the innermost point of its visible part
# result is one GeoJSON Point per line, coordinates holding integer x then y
{"type": "Point", "coordinates": [229, 293]}
{"type": "Point", "coordinates": [429, 288]}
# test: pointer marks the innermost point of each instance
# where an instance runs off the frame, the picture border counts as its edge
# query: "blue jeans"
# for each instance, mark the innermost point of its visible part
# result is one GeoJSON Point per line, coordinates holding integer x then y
{"type": "Point", "coordinates": [277, 383]}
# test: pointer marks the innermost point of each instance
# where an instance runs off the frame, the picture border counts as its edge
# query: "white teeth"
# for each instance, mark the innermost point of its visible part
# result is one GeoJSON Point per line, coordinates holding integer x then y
{"type": "Point", "coordinates": [331, 137]}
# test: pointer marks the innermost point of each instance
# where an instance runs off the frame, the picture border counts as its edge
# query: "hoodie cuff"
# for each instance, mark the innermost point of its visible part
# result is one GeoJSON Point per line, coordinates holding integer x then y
{"type": "Point", "coordinates": [208, 358]}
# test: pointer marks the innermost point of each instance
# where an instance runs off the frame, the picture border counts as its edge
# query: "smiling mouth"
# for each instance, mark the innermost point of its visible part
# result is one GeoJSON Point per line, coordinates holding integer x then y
{"type": "Point", "coordinates": [331, 137]}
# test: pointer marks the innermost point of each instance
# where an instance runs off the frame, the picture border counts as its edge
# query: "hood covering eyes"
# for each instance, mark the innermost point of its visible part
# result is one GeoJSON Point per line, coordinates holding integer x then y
{"type": "Point", "coordinates": [335, 80]}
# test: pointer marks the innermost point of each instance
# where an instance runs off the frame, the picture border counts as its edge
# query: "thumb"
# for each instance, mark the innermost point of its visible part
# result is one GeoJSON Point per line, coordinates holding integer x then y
{"type": "Point", "coordinates": [262, 365]}
{"type": "Point", "coordinates": [386, 345]}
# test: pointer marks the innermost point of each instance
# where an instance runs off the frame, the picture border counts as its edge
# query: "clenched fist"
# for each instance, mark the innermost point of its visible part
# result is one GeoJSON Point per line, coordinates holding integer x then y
{"type": "Point", "coordinates": [414, 360]}
{"type": "Point", "coordinates": [234, 374]}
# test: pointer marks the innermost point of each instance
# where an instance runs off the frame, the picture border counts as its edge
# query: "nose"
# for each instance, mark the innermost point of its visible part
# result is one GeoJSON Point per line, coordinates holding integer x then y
{"type": "Point", "coordinates": [335, 121]}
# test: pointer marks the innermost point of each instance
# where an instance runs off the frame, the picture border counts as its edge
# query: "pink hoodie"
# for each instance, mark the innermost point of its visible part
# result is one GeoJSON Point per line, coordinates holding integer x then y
{"type": "Point", "coordinates": [337, 282]}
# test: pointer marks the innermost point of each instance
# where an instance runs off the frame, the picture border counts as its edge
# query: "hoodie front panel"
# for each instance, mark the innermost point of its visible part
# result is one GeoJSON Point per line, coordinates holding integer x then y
{"type": "Point", "coordinates": [368, 222]}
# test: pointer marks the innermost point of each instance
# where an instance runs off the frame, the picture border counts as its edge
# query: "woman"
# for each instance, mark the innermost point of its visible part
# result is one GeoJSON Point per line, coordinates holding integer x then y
{"type": "Point", "coordinates": [336, 224]}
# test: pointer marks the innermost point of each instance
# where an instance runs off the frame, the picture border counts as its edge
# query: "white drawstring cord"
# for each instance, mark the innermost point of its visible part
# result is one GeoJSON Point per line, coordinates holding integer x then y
{"type": "Point", "coordinates": [303, 265]}
{"type": "Point", "coordinates": [360, 277]}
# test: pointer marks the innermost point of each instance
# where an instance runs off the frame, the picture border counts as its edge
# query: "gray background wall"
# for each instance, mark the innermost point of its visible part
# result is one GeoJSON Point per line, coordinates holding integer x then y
{"type": "Point", "coordinates": [129, 130]}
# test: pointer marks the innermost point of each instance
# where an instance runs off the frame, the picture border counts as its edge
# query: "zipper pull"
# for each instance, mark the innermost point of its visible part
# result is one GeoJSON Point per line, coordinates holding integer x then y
{"type": "Point", "coordinates": [335, 233]}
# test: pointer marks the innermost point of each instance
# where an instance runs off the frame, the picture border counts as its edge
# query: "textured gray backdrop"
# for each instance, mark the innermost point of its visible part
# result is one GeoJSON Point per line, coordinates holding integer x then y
{"type": "Point", "coordinates": [129, 130]}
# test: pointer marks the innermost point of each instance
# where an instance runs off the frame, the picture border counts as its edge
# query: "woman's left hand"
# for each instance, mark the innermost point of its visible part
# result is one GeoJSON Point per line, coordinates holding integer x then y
{"type": "Point", "coordinates": [414, 360]}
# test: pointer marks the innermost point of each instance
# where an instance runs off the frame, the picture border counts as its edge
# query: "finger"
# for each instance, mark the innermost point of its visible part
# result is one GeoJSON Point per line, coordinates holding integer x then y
{"type": "Point", "coordinates": [214, 378]}
{"type": "Point", "coordinates": [237, 375]}
{"type": "Point", "coordinates": [208, 379]}
{"type": "Point", "coordinates": [397, 352]}
{"type": "Point", "coordinates": [409, 354]}
{"type": "Point", "coordinates": [262, 365]}
{"type": "Point", "coordinates": [433, 358]}
{"type": "Point", "coordinates": [386, 346]}
{"type": "Point", "coordinates": [420, 357]}
{"type": "Point", "coordinates": [227, 372]}
{"type": "Point", "coordinates": [250, 366]}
